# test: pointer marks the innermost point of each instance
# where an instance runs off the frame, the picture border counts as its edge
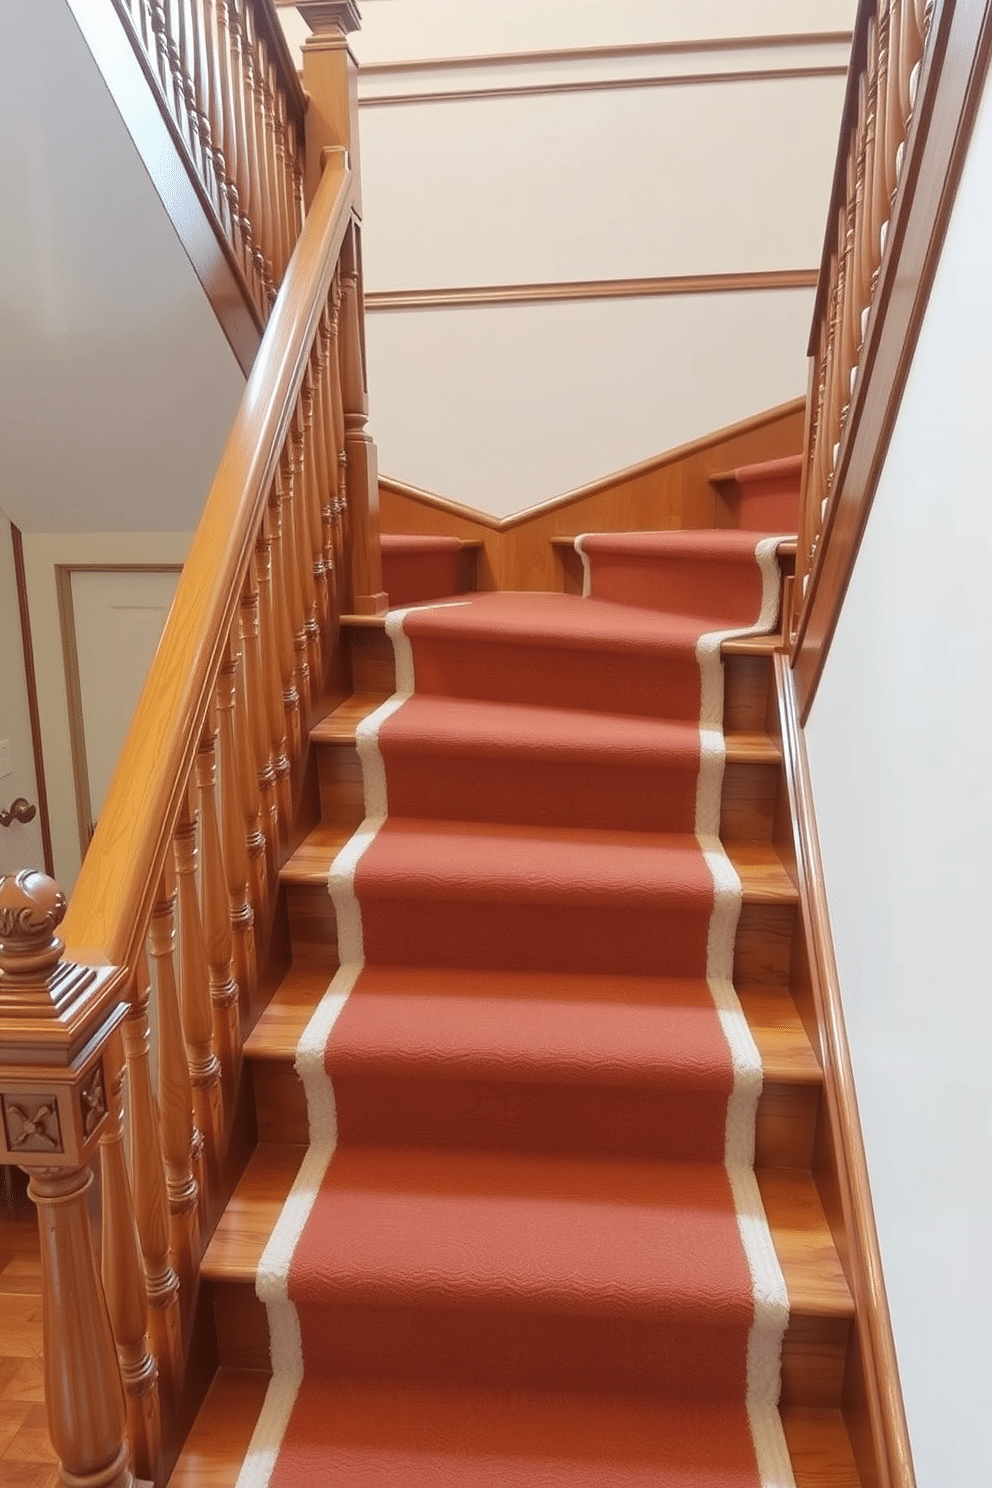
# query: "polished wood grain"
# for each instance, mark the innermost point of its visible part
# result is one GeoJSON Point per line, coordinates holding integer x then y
{"type": "Point", "coordinates": [216, 1446]}
{"type": "Point", "coordinates": [589, 289]}
{"type": "Point", "coordinates": [672, 490]}
{"type": "Point", "coordinates": [887, 1439]}
{"type": "Point", "coordinates": [27, 1457]}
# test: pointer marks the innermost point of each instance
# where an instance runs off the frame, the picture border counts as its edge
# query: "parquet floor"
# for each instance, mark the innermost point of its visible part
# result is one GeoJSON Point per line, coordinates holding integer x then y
{"type": "Point", "coordinates": [26, 1456]}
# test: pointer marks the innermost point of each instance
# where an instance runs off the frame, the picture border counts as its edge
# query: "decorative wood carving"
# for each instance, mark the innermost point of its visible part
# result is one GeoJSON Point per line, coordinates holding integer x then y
{"type": "Point", "coordinates": [57, 1057]}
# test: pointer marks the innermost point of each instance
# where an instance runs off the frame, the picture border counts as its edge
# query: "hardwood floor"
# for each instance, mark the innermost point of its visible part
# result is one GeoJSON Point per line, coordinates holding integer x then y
{"type": "Point", "coordinates": [26, 1456]}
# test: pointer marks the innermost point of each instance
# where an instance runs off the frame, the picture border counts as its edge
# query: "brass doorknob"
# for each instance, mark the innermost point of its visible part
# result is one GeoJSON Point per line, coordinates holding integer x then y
{"type": "Point", "coordinates": [20, 810]}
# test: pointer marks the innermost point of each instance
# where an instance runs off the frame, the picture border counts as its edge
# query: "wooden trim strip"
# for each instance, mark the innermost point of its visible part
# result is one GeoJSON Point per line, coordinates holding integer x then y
{"type": "Point", "coordinates": [74, 705]}
{"type": "Point", "coordinates": [137, 93]}
{"type": "Point", "coordinates": [596, 85]}
{"type": "Point", "coordinates": [681, 47]}
{"type": "Point", "coordinates": [950, 87]}
{"type": "Point", "coordinates": [34, 713]}
{"type": "Point", "coordinates": [109, 909]}
{"type": "Point", "coordinates": [605, 482]}
{"type": "Point", "coordinates": [884, 1395]}
{"type": "Point", "coordinates": [591, 289]}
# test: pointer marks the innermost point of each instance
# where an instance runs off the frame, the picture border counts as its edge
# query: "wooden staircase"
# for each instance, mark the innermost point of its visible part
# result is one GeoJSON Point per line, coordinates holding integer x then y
{"type": "Point", "coordinates": [817, 1355]}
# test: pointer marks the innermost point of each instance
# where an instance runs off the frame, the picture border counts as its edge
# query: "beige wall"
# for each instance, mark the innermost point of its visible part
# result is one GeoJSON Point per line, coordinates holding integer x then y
{"type": "Point", "coordinates": [574, 142]}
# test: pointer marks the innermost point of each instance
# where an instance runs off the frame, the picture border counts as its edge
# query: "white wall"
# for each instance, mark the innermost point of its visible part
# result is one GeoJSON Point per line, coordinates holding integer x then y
{"type": "Point", "coordinates": [898, 740]}
{"type": "Point", "coordinates": [627, 159]}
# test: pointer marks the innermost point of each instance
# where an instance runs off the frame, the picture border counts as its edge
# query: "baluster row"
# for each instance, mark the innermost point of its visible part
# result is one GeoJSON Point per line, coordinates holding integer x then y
{"type": "Point", "coordinates": [886, 93]}
{"type": "Point", "coordinates": [225, 84]}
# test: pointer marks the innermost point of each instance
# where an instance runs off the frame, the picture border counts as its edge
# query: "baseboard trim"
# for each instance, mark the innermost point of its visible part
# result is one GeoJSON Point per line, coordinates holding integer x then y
{"type": "Point", "coordinates": [883, 1395]}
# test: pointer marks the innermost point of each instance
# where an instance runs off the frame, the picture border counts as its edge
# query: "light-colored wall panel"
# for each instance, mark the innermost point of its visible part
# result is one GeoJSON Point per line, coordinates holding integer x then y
{"type": "Point", "coordinates": [45, 554]}
{"type": "Point", "coordinates": [117, 618]}
{"type": "Point", "coordinates": [499, 408]}
{"type": "Point", "coordinates": [701, 178]}
{"type": "Point", "coordinates": [898, 744]}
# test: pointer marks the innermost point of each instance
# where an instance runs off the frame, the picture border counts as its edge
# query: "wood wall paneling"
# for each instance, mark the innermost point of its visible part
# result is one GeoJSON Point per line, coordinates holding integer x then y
{"type": "Point", "coordinates": [672, 490]}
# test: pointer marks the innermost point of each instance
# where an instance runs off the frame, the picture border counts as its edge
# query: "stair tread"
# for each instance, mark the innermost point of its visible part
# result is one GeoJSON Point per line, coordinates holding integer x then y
{"type": "Point", "coordinates": [809, 1262]}
{"type": "Point", "coordinates": [764, 879]}
{"type": "Point", "coordinates": [339, 727]}
{"type": "Point", "coordinates": [785, 1050]}
{"type": "Point", "coordinates": [215, 1449]}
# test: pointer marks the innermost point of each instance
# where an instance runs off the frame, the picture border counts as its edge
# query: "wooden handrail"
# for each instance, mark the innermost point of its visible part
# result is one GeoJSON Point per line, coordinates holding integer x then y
{"type": "Point", "coordinates": [111, 903]}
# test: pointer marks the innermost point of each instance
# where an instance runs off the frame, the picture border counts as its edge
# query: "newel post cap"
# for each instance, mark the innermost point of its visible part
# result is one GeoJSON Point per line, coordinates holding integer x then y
{"type": "Point", "coordinates": [330, 15]}
{"type": "Point", "coordinates": [56, 1022]}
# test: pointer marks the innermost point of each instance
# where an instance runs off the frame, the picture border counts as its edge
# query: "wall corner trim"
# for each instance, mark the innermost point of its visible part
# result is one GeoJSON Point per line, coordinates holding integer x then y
{"type": "Point", "coordinates": [886, 1413]}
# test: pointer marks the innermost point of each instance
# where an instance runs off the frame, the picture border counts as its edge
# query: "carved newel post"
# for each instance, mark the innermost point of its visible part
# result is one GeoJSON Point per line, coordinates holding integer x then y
{"type": "Point", "coordinates": [56, 1019]}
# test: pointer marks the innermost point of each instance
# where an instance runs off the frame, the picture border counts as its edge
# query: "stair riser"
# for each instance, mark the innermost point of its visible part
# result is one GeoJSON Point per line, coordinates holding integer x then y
{"type": "Point", "coordinates": [762, 951]}
{"type": "Point", "coordinates": [625, 1357]}
{"type": "Point", "coordinates": [750, 796]}
{"type": "Point", "coordinates": [453, 1113]}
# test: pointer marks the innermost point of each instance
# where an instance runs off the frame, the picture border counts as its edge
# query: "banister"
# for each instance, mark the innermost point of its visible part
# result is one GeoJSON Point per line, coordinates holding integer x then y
{"type": "Point", "coordinates": [111, 904]}
{"type": "Point", "coordinates": [920, 66]}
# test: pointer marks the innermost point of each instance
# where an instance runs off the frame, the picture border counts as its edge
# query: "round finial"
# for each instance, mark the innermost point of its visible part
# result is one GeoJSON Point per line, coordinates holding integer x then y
{"type": "Point", "coordinates": [31, 906]}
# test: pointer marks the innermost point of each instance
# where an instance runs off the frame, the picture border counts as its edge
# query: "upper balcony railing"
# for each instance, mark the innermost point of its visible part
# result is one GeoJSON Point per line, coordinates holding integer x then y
{"type": "Point", "coordinates": [223, 76]}
{"type": "Point", "coordinates": [917, 72]}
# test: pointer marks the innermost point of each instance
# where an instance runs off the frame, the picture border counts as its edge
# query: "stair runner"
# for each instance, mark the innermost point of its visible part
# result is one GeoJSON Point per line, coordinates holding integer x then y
{"type": "Point", "coordinates": [526, 1245]}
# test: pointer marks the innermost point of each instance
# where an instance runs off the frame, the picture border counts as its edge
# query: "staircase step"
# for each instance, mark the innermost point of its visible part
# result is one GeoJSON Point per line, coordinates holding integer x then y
{"type": "Point", "coordinates": [374, 1425]}
{"type": "Point", "coordinates": [816, 1339]}
{"type": "Point", "coordinates": [417, 569]}
{"type": "Point", "coordinates": [423, 1069]}
{"type": "Point", "coordinates": [747, 670]}
{"type": "Point", "coordinates": [543, 765]}
{"type": "Point", "coordinates": [763, 946]}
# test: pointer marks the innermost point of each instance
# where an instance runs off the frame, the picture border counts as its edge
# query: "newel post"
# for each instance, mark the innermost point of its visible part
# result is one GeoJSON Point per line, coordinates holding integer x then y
{"type": "Point", "coordinates": [330, 77]}
{"type": "Point", "coordinates": [56, 1075]}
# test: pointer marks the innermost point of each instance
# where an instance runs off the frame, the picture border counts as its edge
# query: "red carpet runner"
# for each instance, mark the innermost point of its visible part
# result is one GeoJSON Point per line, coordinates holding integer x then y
{"type": "Point", "coordinates": [526, 1247]}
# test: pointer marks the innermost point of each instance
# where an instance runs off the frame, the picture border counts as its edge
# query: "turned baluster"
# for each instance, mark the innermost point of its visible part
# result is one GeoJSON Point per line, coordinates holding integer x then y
{"type": "Point", "coordinates": [196, 1007]}
{"type": "Point", "coordinates": [182, 1143]}
{"type": "Point", "coordinates": [292, 576]}
{"type": "Point", "coordinates": [272, 687]}
{"type": "Point", "coordinates": [215, 912]}
{"type": "Point", "coordinates": [198, 71]}
{"type": "Point", "coordinates": [367, 594]}
{"type": "Point", "coordinates": [217, 58]}
{"type": "Point", "coordinates": [292, 707]}
{"type": "Point", "coordinates": [299, 447]}
{"type": "Point", "coordinates": [860, 271]}
{"type": "Point", "coordinates": [262, 753]}
{"type": "Point", "coordinates": [342, 534]}
{"type": "Point", "coordinates": [883, 165]}
{"type": "Point", "coordinates": [236, 852]}
{"type": "Point", "coordinates": [151, 1196]}
{"type": "Point", "coordinates": [327, 470]}
{"type": "Point", "coordinates": [313, 480]}
{"type": "Point", "coordinates": [251, 800]}
{"type": "Point", "coordinates": [124, 1285]}
{"type": "Point", "coordinates": [266, 146]}
{"type": "Point", "coordinates": [57, 1022]}
{"type": "Point", "coordinates": [247, 175]}
{"type": "Point", "coordinates": [160, 37]}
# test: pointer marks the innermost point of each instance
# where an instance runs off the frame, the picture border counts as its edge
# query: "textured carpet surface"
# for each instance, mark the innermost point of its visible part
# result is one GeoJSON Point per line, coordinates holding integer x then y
{"type": "Point", "coordinates": [536, 1255]}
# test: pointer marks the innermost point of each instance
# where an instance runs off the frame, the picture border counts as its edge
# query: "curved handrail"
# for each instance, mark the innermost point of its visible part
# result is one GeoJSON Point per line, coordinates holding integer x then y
{"type": "Point", "coordinates": [110, 907]}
